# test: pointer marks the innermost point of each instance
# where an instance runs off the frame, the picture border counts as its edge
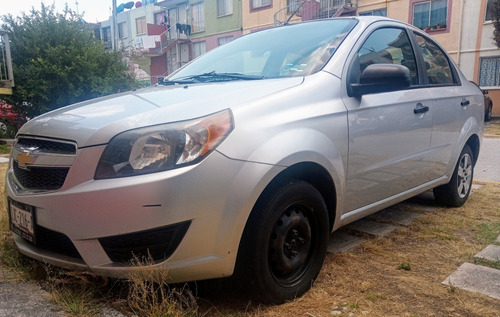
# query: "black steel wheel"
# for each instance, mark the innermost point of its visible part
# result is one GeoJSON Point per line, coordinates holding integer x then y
{"type": "Point", "coordinates": [284, 243]}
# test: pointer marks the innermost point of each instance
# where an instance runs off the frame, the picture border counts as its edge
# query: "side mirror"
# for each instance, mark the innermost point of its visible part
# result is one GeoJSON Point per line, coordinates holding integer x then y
{"type": "Point", "coordinates": [377, 78]}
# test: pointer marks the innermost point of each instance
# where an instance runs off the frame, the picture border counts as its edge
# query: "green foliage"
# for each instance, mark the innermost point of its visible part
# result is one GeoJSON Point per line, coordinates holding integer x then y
{"type": "Point", "coordinates": [4, 149]}
{"type": "Point", "coordinates": [57, 61]}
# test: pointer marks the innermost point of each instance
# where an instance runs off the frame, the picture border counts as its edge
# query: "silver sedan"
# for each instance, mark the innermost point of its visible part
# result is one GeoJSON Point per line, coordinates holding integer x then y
{"type": "Point", "coordinates": [242, 162]}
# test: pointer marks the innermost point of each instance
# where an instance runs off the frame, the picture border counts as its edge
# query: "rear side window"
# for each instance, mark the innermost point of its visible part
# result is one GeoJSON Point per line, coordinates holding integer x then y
{"type": "Point", "coordinates": [388, 46]}
{"type": "Point", "coordinates": [438, 69]}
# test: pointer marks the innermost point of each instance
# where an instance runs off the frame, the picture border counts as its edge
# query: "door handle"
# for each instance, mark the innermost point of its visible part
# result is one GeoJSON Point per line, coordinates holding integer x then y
{"type": "Point", "coordinates": [465, 102]}
{"type": "Point", "coordinates": [420, 109]}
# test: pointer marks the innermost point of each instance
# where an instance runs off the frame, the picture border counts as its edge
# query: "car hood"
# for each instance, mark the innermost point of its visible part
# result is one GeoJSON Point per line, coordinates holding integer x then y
{"type": "Point", "coordinates": [96, 121]}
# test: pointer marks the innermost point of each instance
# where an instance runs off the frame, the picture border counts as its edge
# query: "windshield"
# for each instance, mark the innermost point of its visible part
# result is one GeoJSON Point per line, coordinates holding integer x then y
{"type": "Point", "coordinates": [288, 51]}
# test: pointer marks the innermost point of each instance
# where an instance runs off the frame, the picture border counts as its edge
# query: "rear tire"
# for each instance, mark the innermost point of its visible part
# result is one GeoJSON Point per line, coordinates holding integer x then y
{"type": "Point", "coordinates": [284, 242]}
{"type": "Point", "coordinates": [456, 192]}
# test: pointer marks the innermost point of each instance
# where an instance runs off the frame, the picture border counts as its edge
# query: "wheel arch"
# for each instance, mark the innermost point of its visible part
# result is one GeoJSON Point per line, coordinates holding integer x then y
{"type": "Point", "coordinates": [317, 176]}
{"type": "Point", "coordinates": [474, 143]}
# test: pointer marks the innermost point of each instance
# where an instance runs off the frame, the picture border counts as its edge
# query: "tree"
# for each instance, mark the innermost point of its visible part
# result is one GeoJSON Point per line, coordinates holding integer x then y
{"type": "Point", "coordinates": [495, 11]}
{"type": "Point", "coordinates": [57, 61]}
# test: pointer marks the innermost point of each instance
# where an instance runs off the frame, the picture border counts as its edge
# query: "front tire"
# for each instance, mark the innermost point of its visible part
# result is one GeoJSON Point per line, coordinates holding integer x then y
{"type": "Point", "coordinates": [284, 242]}
{"type": "Point", "coordinates": [456, 192]}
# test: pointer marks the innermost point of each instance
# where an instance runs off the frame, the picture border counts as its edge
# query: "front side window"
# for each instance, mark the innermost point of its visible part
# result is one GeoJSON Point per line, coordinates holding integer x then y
{"type": "Point", "coordinates": [388, 46]}
{"type": "Point", "coordinates": [224, 7]}
{"type": "Point", "coordinates": [140, 24]}
{"type": "Point", "coordinates": [489, 71]}
{"type": "Point", "coordinates": [430, 15]}
{"type": "Point", "coordinates": [257, 4]}
{"type": "Point", "coordinates": [437, 66]}
{"type": "Point", "coordinates": [198, 17]}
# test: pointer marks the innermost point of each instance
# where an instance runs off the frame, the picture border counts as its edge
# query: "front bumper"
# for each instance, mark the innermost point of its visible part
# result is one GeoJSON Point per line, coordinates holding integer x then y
{"type": "Point", "coordinates": [202, 210]}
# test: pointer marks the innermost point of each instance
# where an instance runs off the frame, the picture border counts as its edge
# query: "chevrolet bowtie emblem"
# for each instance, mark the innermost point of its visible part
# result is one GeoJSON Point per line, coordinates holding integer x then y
{"type": "Point", "coordinates": [24, 159]}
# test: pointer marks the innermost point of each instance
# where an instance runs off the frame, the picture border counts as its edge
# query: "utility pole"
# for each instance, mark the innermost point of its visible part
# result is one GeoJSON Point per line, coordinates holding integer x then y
{"type": "Point", "coordinates": [6, 73]}
{"type": "Point", "coordinates": [115, 28]}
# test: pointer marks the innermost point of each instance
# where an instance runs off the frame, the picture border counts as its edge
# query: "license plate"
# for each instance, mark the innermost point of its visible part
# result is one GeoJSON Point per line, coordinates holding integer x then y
{"type": "Point", "coordinates": [22, 220]}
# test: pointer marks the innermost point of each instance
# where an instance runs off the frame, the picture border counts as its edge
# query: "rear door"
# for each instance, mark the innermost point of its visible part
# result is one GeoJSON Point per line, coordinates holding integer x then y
{"type": "Point", "coordinates": [453, 104]}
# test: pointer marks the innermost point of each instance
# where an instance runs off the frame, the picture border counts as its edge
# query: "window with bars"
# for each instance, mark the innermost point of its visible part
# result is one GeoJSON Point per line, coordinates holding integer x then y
{"type": "Point", "coordinates": [489, 11]}
{"type": "Point", "coordinates": [293, 5]}
{"type": "Point", "coordinates": [140, 24]}
{"type": "Point", "coordinates": [257, 4]}
{"type": "Point", "coordinates": [160, 18]}
{"type": "Point", "coordinates": [379, 12]}
{"type": "Point", "coordinates": [122, 30]}
{"type": "Point", "coordinates": [198, 17]}
{"type": "Point", "coordinates": [223, 40]}
{"type": "Point", "coordinates": [224, 7]}
{"type": "Point", "coordinates": [430, 15]}
{"type": "Point", "coordinates": [199, 48]}
{"type": "Point", "coordinates": [489, 71]}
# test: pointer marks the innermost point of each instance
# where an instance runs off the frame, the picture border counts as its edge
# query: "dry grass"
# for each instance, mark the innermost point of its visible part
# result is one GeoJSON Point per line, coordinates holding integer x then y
{"type": "Point", "coordinates": [401, 274]}
{"type": "Point", "coordinates": [398, 275]}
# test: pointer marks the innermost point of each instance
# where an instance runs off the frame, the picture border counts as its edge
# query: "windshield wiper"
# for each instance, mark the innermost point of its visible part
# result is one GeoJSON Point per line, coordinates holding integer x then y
{"type": "Point", "coordinates": [210, 77]}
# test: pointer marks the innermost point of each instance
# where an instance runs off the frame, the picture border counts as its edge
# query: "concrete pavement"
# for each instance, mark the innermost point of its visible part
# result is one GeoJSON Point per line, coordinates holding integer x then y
{"type": "Point", "coordinates": [488, 164]}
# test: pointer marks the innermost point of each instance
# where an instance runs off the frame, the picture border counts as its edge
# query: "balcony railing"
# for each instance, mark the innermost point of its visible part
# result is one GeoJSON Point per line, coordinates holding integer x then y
{"type": "Point", "coordinates": [304, 10]}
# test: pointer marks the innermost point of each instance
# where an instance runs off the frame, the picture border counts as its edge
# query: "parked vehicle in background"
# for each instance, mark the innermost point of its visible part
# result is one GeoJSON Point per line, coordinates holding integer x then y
{"type": "Point", "coordinates": [10, 120]}
{"type": "Point", "coordinates": [488, 106]}
{"type": "Point", "coordinates": [245, 160]}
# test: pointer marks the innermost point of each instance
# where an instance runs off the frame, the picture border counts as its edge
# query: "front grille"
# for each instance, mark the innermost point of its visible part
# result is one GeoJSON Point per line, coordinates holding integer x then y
{"type": "Point", "coordinates": [46, 146]}
{"type": "Point", "coordinates": [156, 244]}
{"type": "Point", "coordinates": [41, 178]}
{"type": "Point", "coordinates": [55, 242]}
{"type": "Point", "coordinates": [41, 164]}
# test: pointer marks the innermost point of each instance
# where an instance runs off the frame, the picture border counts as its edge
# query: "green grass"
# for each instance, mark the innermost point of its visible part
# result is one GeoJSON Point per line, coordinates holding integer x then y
{"type": "Point", "coordinates": [405, 266]}
{"type": "Point", "coordinates": [488, 263]}
{"type": "Point", "coordinates": [4, 149]}
{"type": "Point", "coordinates": [487, 232]}
{"type": "Point", "coordinates": [77, 302]}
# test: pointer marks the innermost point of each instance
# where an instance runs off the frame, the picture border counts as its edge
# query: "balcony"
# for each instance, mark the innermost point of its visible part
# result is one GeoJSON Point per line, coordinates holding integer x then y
{"type": "Point", "coordinates": [305, 10]}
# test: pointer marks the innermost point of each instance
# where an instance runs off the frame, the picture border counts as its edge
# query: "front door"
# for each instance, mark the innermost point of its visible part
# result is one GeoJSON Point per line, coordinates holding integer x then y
{"type": "Point", "coordinates": [389, 133]}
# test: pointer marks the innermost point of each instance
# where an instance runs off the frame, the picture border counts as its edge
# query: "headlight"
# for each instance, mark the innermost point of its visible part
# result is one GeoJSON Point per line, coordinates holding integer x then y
{"type": "Point", "coordinates": [163, 147]}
